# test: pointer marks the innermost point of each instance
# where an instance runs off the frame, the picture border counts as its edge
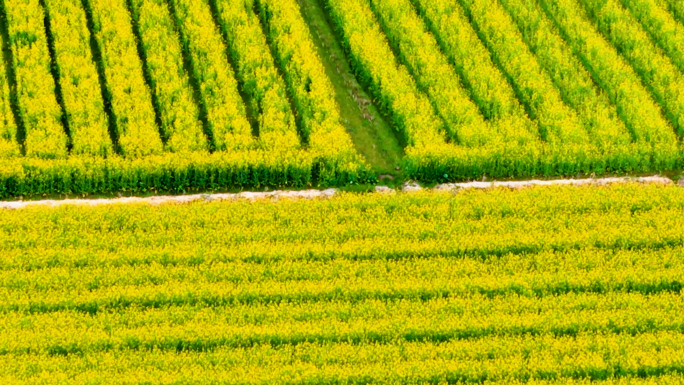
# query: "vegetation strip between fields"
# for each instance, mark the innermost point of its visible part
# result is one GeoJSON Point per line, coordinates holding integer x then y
{"type": "Point", "coordinates": [327, 193]}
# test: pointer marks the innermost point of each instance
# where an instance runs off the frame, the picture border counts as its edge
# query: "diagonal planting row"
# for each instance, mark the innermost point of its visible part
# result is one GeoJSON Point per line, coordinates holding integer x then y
{"type": "Point", "coordinates": [427, 154]}
{"type": "Point", "coordinates": [599, 116]}
{"type": "Point", "coordinates": [471, 60]}
{"type": "Point", "coordinates": [149, 99]}
{"type": "Point", "coordinates": [409, 107]}
{"type": "Point", "coordinates": [130, 102]}
{"type": "Point", "coordinates": [662, 27]}
{"type": "Point", "coordinates": [38, 109]}
{"type": "Point", "coordinates": [9, 147]}
{"type": "Point", "coordinates": [418, 51]}
{"type": "Point", "coordinates": [86, 119]}
{"type": "Point", "coordinates": [463, 78]}
{"type": "Point", "coordinates": [486, 84]}
{"type": "Point", "coordinates": [129, 97]}
{"type": "Point", "coordinates": [256, 70]}
{"type": "Point", "coordinates": [180, 117]}
{"type": "Point", "coordinates": [225, 109]}
{"type": "Point", "coordinates": [656, 70]}
{"type": "Point", "coordinates": [507, 136]}
{"type": "Point", "coordinates": [506, 88]}
{"type": "Point", "coordinates": [559, 125]}
{"type": "Point", "coordinates": [674, 6]}
{"type": "Point", "coordinates": [634, 104]}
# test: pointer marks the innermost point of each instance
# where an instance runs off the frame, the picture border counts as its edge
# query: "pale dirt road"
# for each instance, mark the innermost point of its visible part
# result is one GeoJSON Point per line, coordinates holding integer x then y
{"type": "Point", "coordinates": [328, 193]}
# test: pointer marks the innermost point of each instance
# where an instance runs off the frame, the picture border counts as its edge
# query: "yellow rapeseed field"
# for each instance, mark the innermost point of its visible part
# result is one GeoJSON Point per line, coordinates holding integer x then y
{"type": "Point", "coordinates": [542, 285]}
{"type": "Point", "coordinates": [149, 95]}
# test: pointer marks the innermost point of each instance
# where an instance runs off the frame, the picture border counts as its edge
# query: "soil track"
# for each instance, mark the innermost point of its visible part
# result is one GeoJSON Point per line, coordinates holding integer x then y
{"type": "Point", "coordinates": [311, 194]}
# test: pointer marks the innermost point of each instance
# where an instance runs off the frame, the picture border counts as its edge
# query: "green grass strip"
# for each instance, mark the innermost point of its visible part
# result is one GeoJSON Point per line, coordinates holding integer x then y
{"type": "Point", "coordinates": [311, 90]}
{"type": "Point", "coordinates": [389, 81]}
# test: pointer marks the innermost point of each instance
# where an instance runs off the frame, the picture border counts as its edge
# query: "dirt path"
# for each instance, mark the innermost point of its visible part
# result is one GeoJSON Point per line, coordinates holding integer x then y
{"type": "Point", "coordinates": [557, 182]}
{"type": "Point", "coordinates": [311, 194]}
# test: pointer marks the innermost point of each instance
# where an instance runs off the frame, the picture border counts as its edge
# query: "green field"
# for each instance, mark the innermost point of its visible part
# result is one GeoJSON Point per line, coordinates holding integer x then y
{"type": "Point", "coordinates": [541, 285]}
{"type": "Point", "coordinates": [99, 97]}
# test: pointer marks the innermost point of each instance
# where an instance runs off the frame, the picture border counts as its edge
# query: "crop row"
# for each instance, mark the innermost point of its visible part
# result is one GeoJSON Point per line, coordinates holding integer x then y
{"type": "Point", "coordinates": [170, 172]}
{"type": "Point", "coordinates": [78, 78]}
{"type": "Point", "coordinates": [598, 116]}
{"type": "Point", "coordinates": [9, 147]}
{"type": "Point", "coordinates": [258, 74]}
{"type": "Point", "coordinates": [634, 103]}
{"type": "Point", "coordinates": [662, 27]}
{"type": "Point", "coordinates": [122, 74]}
{"type": "Point", "coordinates": [397, 94]}
{"type": "Point", "coordinates": [218, 88]}
{"type": "Point", "coordinates": [471, 59]}
{"type": "Point", "coordinates": [202, 328]}
{"type": "Point", "coordinates": [676, 7]}
{"type": "Point", "coordinates": [57, 274]}
{"type": "Point", "coordinates": [182, 173]}
{"type": "Point", "coordinates": [504, 88]}
{"type": "Point", "coordinates": [38, 109]}
{"type": "Point", "coordinates": [96, 293]}
{"type": "Point", "coordinates": [514, 149]}
{"type": "Point", "coordinates": [467, 224]}
{"type": "Point", "coordinates": [658, 73]}
{"type": "Point", "coordinates": [180, 119]}
{"type": "Point", "coordinates": [613, 358]}
{"type": "Point", "coordinates": [312, 93]}
{"type": "Point", "coordinates": [558, 124]}
{"type": "Point", "coordinates": [425, 54]}
{"type": "Point", "coordinates": [169, 56]}
{"type": "Point", "coordinates": [419, 52]}
{"type": "Point", "coordinates": [93, 291]}
{"type": "Point", "coordinates": [145, 79]}
{"type": "Point", "coordinates": [470, 316]}
{"type": "Point", "coordinates": [553, 284]}
{"type": "Point", "coordinates": [128, 94]}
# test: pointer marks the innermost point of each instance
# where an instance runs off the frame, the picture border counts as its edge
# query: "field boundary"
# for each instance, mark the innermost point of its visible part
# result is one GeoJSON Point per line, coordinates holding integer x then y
{"type": "Point", "coordinates": [655, 179]}
{"type": "Point", "coordinates": [275, 195]}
